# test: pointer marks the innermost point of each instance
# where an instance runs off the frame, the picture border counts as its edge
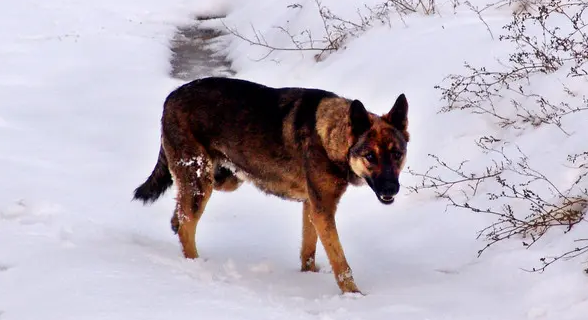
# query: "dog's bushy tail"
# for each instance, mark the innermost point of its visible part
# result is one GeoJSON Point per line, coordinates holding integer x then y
{"type": "Point", "coordinates": [157, 183]}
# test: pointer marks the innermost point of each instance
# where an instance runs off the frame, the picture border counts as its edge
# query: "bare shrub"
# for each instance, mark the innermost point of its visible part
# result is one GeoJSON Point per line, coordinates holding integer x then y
{"type": "Point", "coordinates": [337, 31]}
{"type": "Point", "coordinates": [515, 182]}
{"type": "Point", "coordinates": [409, 6]}
{"type": "Point", "coordinates": [548, 40]}
{"type": "Point", "coordinates": [559, 46]}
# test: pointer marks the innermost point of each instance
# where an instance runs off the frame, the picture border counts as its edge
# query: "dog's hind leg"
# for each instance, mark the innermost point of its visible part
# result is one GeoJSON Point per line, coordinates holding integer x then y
{"type": "Point", "coordinates": [191, 167]}
{"type": "Point", "coordinates": [309, 240]}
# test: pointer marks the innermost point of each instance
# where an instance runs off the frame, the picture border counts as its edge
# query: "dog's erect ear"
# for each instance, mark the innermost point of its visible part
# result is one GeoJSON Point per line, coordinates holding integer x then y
{"type": "Point", "coordinates": [360, 120]}
{"type": "Point", "coordinates": [397, 116]}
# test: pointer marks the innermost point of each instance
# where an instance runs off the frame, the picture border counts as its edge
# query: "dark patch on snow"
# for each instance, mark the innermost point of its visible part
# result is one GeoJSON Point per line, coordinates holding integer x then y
{"type": "Point", "coordinates": [195, 52]}
{"type": "Point", "coordinates": [209, 17]}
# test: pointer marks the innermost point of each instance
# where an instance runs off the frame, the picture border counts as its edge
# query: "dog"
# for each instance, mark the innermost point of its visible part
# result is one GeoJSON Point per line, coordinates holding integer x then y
{"type": "Point", "coordinates": [300, 144]}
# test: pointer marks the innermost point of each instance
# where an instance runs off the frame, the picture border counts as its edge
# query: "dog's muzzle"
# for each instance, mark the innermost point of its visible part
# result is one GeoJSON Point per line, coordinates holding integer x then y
{"type": "Point", "coordinates": [385, 189]}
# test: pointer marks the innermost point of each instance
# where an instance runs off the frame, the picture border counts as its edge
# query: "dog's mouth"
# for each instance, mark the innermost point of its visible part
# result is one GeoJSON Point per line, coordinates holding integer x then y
{"type": "Point", "coordinates": [386, 199]}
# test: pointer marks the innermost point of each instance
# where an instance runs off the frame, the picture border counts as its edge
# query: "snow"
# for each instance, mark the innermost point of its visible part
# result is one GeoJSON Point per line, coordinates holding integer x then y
{"type": "Point", "coordinates": [198, 162]}
{"type": "Point", "coordinates": [82, 86]}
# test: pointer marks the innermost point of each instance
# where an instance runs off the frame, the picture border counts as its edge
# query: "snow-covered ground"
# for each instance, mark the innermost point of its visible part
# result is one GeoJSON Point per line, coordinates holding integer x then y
{"type": "Point", "coordinates": [82, 84]}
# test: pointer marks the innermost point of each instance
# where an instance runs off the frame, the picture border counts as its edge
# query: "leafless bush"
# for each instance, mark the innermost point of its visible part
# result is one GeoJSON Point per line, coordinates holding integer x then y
{"type": "Point", "coordinates": [563, 43]}
{"type": "Point", "coordinates": [549, 40]}
{"type": "Point", "coordinates": [408, 6]}
{"type": "Point", "coordinates": [337, 31]}
{"type": "Point", "coordinates": [514, 184]}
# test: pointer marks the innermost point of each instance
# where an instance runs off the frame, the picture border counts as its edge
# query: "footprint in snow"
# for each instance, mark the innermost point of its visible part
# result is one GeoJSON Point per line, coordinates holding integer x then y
{"type": "Point", "coordinates": [447, 271]}
{"type": "Point", "coordinates": [14, 211]}
{"type": "Point", "coordinates": [262, 267]}
{"type": "Point", "coordinates": [25, 213]}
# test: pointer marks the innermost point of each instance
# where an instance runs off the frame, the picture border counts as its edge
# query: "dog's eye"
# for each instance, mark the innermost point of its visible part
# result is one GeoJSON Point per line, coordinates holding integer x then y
{"type": "Point", "coordinates": [397, 155]}
{"type": "Point", "coordinates": [371, 157]}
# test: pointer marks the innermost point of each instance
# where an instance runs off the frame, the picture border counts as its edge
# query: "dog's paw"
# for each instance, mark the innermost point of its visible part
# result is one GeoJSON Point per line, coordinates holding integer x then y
{"type": "Point", "coordinates": [310, 266]}
{"type": "Point", "coordinates": [313, 268]}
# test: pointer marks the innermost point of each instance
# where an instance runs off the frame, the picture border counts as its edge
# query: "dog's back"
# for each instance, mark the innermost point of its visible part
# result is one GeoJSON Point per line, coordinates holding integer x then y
{"type": "Point", "coordinates": [227, 109]}
{"type": "Point", "coordinates": [252, 128]}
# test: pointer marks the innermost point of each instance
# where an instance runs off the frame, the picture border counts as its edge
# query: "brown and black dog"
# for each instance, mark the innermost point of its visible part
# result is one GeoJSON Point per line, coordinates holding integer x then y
{"type": "Point", "coordinates": [300, 144]}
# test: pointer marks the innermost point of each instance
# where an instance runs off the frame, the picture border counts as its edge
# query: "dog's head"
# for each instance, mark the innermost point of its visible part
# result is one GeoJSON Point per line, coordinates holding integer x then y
{"type": "Point", "coordinates": [378, 148]}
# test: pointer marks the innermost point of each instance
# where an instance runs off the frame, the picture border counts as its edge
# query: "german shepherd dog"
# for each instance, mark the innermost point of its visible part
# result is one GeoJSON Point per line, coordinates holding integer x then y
{"type": "Point", "coordinates": [300, 144]}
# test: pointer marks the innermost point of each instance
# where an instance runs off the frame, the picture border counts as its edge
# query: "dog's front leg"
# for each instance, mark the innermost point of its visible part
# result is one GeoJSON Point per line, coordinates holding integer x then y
{"type": "Point", "coordinates": [322, 214]}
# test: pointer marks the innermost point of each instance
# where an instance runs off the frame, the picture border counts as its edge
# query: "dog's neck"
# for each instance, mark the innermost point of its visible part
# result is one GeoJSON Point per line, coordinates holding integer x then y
{"type": "Point", "coordinates": [334, 128]}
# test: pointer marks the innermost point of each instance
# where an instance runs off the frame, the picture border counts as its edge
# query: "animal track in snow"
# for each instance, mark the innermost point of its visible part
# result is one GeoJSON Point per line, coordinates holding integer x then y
{"type": "Point", "coordinates": [25, 213]}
